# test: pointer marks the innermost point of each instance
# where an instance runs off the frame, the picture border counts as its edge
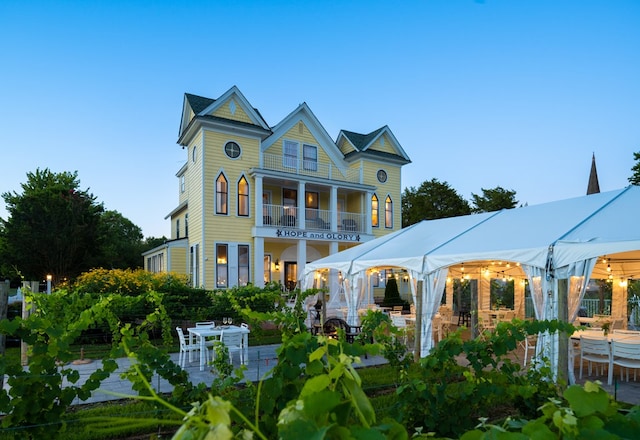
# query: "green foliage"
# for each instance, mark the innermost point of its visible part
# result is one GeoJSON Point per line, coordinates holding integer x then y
{"type": "Point", "coordinates": [491, 381]}
{"type": "Point", "coordinates": [432, 200]}
{"type": "Point", "coordinates": [119, 242]}
{"type": "Point", "coordinates": [586, 412]}
{"type": "Point", "coordinates": [493, 200]}
{"type": "Point", "coordinates": [392, 294]}
{"type": "Point", "coordinates": [52, 226]}
{"type": "Point", "coordinates": [635, 177]}
{"type": "Point", "coordinates": [128, 281]}
{"type": "Point", "coordinates": [377, 327]}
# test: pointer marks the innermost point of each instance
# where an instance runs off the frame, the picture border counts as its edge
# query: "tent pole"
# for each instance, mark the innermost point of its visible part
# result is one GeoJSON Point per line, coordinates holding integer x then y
{"type": "Point", "coordinates": [417, 339]}
{"type": "Point", "coordinates": [563, 341]}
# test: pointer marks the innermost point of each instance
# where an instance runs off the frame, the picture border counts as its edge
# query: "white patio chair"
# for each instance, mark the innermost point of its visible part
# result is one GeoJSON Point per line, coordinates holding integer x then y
{"type": "Point", "coordinates": [401, 323]}
{"type": "Point", "coordinates": [486, 323]}
{"type": "Point", "coordinates": [206, 324]}
{"type": "Point", "coordinates": [618, 331]}
{"type": "Point", "coordinates": [594, 350]}
{"type": "Point", "coordinates": [234, 341]}
{"type": "Point", "coordinates": [625, 354]}
{"type": "Point", "coordinates": [529, 344]}
{"type": "Point", "coordinates": [185, 348]}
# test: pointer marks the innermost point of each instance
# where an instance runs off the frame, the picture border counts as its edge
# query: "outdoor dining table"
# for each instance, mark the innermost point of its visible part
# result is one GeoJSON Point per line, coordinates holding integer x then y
{"type": "Point", "coordinates": [207, 332]}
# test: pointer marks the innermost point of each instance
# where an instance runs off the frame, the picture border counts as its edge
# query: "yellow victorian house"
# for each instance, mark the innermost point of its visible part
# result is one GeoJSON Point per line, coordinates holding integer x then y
{"type": "Point", "coordinates": [257, 202]}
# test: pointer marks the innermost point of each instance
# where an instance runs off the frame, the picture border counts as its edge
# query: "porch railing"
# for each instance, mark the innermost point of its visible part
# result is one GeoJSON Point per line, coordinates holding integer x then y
{"type": "Point", "coordinates": [279, 216]}
{"type": "Point", "coordinates": [311, 168]}
{"type": "Point", "coordinates": [592, 306]}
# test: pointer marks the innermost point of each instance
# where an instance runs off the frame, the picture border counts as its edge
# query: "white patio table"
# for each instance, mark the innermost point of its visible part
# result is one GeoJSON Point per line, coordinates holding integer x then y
{"type": "Point", "coordinates": [206, 332]}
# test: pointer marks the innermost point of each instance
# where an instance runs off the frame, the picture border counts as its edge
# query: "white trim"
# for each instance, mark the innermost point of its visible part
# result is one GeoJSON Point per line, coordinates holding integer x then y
{"type": "Point", "coordinates": [240, 101]}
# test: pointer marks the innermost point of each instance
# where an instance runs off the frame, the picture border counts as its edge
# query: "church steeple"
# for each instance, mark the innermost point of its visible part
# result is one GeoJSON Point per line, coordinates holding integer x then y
{"type": "Point", "coordinates": [593, 187]}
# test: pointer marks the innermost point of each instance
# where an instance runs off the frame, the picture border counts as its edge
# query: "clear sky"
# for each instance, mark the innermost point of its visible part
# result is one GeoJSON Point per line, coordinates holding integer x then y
{"type": "Point", "coordinates": [480, 94]}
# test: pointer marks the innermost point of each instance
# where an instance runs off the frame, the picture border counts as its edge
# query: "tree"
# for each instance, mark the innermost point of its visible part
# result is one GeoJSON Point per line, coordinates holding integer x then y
{"type": "Point", "coordinates": [635, 178]}
{"type": "Point", "coordinates": [493, 200]}
{"type": "Point", "coordinates": [121, 242]}
{"type": "Point", "coordinates": [432, 200]}
{"type": "Point", "coordinates": [153, 242]}
{"type": "Point", "coordinates": [52, 226]}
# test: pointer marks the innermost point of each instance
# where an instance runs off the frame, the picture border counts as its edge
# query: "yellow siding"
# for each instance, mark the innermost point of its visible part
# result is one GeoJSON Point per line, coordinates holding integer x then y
{"type": "Point", "coordinates": [345, 147]}
{"type": "Point", "coordinates": [179, 260]}
{"type": "Point", "coordinates": [239, 115]}
{"type": "Point", "coordinates": [229, 228]}
{"type": "Point", "coordinates": [387, 147]}
{"type": "Point", "coordinates": [183, 195]}
{"type": "Point", "coordinates": [305, 137]}
{"type": "Point", "coordinates": [193, 188]}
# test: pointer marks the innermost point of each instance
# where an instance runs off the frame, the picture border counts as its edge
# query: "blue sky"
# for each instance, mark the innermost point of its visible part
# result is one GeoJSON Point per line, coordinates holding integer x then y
{"type": "Point", "coordinates": [480, 94]}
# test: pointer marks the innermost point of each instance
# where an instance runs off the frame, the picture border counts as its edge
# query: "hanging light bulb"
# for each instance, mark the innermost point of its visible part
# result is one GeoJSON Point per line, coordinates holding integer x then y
{"type": "Point", "coordinates": [604, 260]}
{"type": "Point", "coordinates": [610, 277]}
{"type": "Point", "coordinates": [462, 268]}
{"type": "Point", "coordinates": [608, 268]}
{"type": "Point", "coordinates": [623, 282]}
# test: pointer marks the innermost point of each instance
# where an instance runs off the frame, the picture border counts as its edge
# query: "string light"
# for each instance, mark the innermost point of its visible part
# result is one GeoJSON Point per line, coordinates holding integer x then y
{"type": "Point", "coordinates": [608, 268]}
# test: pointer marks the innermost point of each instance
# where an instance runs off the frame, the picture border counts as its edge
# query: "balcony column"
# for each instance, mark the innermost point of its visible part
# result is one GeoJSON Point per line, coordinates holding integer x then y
{"type": "Point", "coordinates": [302, 202]}
{"type": "Point", "coordinates": [258, 197]}
{"type": "Point", "coordinates": [333, 211]}
{"type": "Point", "coordinates": [367, 213]}
{"type": "Point", "coordinates": [258, 261]}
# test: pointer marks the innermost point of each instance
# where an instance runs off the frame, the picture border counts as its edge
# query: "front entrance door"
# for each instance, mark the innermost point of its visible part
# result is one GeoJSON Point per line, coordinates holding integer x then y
{"type": "Point", "coordinates": [290, 275]}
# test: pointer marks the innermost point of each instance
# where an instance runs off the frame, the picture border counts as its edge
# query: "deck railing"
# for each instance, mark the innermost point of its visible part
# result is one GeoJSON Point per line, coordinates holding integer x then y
{"type": "Point", "coordinates": [279, 216]}
{"type": "Point", "coordinates": [311, 168]}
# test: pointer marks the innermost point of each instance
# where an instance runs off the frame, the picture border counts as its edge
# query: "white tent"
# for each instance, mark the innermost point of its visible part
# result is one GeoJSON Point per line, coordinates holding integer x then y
{"type": "Point", "coordinates": [553, 240]}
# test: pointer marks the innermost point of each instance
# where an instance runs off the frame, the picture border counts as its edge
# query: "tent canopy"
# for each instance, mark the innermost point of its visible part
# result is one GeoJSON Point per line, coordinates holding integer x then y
{"type": "Point", "coordinates": [577, 229]}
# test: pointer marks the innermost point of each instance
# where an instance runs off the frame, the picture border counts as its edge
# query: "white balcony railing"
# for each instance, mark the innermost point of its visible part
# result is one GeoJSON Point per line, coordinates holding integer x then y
{"type": "Point", "coordinates": [279, 216]}
{"type": "Point", "coordinates": [311, 168]}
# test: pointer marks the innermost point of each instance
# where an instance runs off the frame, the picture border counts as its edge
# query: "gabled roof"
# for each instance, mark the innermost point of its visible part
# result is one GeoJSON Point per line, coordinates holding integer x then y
{"type": "Point", "coordinates": [198, 103]}
{"type": "Point", "coordinates": [203, 109]}
{"type": "Point", "coordinates": [303, 113]}
{"type": "Point", "coordinates": [362, 143]}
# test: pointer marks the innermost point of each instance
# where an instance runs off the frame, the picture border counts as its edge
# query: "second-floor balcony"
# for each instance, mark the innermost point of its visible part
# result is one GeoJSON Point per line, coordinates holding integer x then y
{"type": "Point", "coordinates": [312, 168]}
{"type": "Point", "coordinates": [279, 216]}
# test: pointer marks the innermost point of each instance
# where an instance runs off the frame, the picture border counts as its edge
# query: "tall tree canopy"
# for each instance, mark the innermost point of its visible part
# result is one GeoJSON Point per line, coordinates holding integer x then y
{"type": "Point", "coordinates": [432, 200]}
{"type": "Point", "coordinates": [494, 200]}
{"type": "Point", "coordinates": [635, 177]}
{"type": "Point", "coordinates": [120, 243]}
{"type": "Point", "coordinates": [52, 226]}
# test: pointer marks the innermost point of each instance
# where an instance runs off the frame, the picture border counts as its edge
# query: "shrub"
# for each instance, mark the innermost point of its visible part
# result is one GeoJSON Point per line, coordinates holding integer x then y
{"type": "Point", "coordinates": [128, 282]}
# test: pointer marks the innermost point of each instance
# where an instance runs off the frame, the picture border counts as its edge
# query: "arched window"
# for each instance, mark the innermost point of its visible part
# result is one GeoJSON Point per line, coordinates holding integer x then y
{"type": "Point", "coordinates": [243, 197]}
{"type": "Point", "coordinates": [222, 195]}
{"type": "Point", "coordinates": [374, 211]}
{"type": "Point", "coordinates": [388, 212]}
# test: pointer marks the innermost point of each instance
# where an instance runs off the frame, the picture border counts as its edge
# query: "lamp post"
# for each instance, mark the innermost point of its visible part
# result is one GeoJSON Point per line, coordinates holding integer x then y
{"type": "Point", "coordinates": [48, 284]}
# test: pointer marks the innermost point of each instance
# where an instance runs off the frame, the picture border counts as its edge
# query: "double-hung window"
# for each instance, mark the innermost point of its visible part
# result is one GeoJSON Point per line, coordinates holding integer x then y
{"type": "Point", "coordinates": [290, 157]}
{"type": "Point", "coordinates": [243, 265]}
{"type": "Point", "coordinates": [222, 265]}
{"type": "Point", "coordinates": [309, 157]}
